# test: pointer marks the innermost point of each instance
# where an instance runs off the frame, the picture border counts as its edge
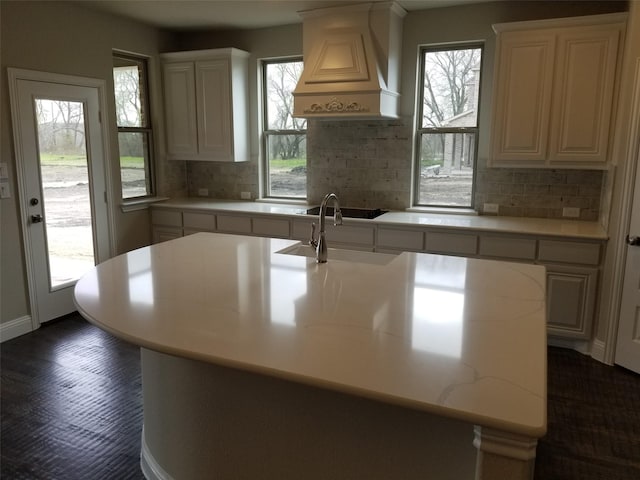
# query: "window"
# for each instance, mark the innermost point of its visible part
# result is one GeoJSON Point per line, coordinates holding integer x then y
{"type": "Point", "coordinates": [448, 128]}
{"type": "Point", "coordinates": [134, 125]}
{"type": "Point", "coordinates": [285, 137]}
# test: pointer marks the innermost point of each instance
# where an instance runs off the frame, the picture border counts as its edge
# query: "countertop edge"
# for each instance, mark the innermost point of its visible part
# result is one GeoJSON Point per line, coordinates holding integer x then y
{"type": "Point", "coordinates": [541, 227]}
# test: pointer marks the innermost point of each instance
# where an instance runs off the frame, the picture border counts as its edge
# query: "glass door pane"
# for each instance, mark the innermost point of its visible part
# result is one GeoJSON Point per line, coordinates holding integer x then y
{"type": "Point", "coordinates": [66, 200]}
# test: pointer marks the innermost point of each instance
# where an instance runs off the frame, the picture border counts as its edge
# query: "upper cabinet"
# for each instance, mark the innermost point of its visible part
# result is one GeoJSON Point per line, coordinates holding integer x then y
{"type": "Point", "coordinates": [554, 91]}
{"type": "Point", "coordinates": [206, 105]}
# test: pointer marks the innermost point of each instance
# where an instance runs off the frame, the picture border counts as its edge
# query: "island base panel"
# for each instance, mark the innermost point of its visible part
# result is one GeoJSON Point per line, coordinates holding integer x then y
{"type": "Point", "coordinates": [207, 421]}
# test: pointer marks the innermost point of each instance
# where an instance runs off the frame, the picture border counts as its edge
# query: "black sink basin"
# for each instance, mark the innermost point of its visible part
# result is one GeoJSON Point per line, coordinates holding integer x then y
{"type": "Point", "coordinates": [351, 212]}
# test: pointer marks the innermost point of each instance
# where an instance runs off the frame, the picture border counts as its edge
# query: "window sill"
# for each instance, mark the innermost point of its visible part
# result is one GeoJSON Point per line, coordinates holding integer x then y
{"type": "Point", "coordinates": [288, 201]}
{"type": "Point", "coordinates": [447, 210]}
{"type": "Point", "coordinates": [140, 204]}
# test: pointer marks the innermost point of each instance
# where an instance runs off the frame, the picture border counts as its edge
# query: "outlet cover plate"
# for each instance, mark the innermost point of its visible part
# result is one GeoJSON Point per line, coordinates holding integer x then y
{"type": "Point", "coordinates": [571, 212]}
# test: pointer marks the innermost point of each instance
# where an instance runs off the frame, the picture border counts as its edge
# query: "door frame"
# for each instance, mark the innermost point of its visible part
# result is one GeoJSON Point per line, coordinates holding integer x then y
{"type": "Point", "coordinates": [616, 240]}
{"type": "Point", "coordinates": [14, 76]}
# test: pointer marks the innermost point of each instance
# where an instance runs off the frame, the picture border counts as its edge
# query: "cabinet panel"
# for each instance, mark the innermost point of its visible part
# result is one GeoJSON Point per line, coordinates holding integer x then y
{"type": "Point", "coordinates": [451, 243]}
{"type": "Point", "coordinates": [523, 96]}
{"type": "Point", "coordinates": [180, 108]}
{"type": "Point", "coordinates": [214, 92]}
{"type": "Point", "coordinates": [583, 96]}
{"type": "Point", "coordinates": [301, 229]}
{"type": "Point", "coordinates": [571, 295]}
{"type": "Point", "coordinates": [233, 224]}
{"type": "Point", "coordinates": [162, 234]}
{"type": "Point", "coordinates": [271, 227]}
{"type": "Point", "coordinates": [400, 239]}
{"type": "Point", "coordinates": [199, 221]}
{"type": "Point", "coordinates": [170, 218]}
{"type": "Point", "coordinates": [507, 247]}
{"type": "Point", "coordinates": [350, 234]}
{"type": "Point", "coordinates": [569, 252]}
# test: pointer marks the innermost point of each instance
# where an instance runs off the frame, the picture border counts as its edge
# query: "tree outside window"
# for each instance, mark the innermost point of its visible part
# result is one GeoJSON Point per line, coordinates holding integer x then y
{"type": "Point", "coordinates": [285, 137]}
{"type": "Point", "coordinates": [448, 130]}
{"type": "Point", "coordinates": [134, 125]}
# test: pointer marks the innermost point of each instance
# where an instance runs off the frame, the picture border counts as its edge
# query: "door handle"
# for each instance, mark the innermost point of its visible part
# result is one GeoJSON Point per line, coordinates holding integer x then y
{"type": "Point", "coordinates": [36, 218]}
{"type": "Point", "coordinates": [634, 240]}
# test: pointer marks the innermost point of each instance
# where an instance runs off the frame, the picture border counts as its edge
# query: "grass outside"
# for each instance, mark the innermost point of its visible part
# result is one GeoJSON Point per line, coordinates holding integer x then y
{"type": "Point", "coordinates": [289, 164]}
{"type": "Point", "coordinates": [66, 160]}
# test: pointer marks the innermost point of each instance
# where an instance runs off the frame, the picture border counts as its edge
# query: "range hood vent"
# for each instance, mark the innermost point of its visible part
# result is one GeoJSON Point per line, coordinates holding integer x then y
{"type": "Point", "coordinates": [351, 62]}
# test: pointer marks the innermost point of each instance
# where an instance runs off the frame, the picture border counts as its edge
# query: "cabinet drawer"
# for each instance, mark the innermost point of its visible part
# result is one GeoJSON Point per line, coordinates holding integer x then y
{"type": "Point", "coordinates": [301, 230]}
{"type": "Point", "coordinates": [232, 224]}
{"type": "Point", "coordinates": [452, 243]}
{"type": "Point", "coordinates": [350, 234]}
{"type": "Point", "coordinates": [271, 227]}
{"type": "Point", "coordinates": [199, 221]}
{"type": "Point", "coordinates": [569, 252]}
{"type": "Point", "coordinates": [508, 247]}
{"type": "Point", "coordinates": [400, 239]}
{"type": "Point", "coordinates": [166, 217]}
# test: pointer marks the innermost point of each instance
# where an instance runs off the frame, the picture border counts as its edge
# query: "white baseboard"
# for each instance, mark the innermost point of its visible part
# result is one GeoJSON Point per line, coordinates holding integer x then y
{"type": "Point", "coordinates": [148, 464]}
{"type": "Point", "coordinates": [598, 348]}
{"type": "Point", "coordinates": [581, 346]}
{"type": "Point", "coordinates": [15, 328]}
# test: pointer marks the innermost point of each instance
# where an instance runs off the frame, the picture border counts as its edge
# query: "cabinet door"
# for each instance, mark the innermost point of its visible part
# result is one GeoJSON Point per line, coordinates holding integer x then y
{"type": "Point", "coordinates": [571, 295]}
{"type": "Point", "coordinates": [162, 234]}
{"type": "Point", "coordinates": [180, 106]}
{"type": "Point", "coordinates": [214, 115]}
{"type": "Point", "coordinates": [583, 94]}
{"type": "Point", "coordinates": [522, 97]}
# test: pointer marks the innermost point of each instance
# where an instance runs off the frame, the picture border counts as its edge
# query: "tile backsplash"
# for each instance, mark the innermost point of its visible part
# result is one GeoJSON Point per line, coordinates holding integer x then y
{"type": "Point", "coordinates": [368, 164]}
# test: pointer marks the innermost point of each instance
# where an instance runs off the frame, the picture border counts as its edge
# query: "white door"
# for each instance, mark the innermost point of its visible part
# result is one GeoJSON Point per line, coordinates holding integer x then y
{"type": "Point", "coordinates": [62, 183]}
{"type": "Point", "coordinates": [628, 342]}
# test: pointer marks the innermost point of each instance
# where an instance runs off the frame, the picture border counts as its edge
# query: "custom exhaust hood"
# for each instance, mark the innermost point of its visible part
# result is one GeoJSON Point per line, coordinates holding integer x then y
{"type": "Point", "coordinates": [352, 60]}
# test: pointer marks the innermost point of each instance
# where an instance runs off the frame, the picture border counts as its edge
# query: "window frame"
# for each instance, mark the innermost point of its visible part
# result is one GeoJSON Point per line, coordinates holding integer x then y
{"type": "Point", "coordinates": [267, 132]}
{"type": "Point", "coordinates": [420, 130]}
{"type": "Point", "coordinates": [146, 130]}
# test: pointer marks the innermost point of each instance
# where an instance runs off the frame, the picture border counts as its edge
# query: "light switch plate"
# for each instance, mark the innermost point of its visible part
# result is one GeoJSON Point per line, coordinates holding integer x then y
{"type": "Point", "coordinates": [4, 171]}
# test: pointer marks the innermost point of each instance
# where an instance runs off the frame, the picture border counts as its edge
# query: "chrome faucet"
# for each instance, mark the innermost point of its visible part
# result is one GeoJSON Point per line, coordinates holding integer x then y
{"type": "Point", "coordinates": [321, 243]}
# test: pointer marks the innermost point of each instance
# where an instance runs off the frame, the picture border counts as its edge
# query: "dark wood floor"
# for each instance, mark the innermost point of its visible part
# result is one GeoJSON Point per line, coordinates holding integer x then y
{"type": "Point", "coordinates": [72, 409]}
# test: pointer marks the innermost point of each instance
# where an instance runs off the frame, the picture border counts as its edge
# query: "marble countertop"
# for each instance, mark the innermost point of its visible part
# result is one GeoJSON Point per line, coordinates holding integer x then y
{"type": "Point", "coordinates": [520, 225]}
{"type": "Point", "coordinates": [462, 338]}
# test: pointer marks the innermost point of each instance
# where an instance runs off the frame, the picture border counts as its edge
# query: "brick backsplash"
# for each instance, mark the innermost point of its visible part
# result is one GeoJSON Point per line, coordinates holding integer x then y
{"type": "Point", "coordinates": [540, 192]}
{"type": "Point", "coordinates": [223, 180]}
{"type": "Point", "coordinates": [368, 165]}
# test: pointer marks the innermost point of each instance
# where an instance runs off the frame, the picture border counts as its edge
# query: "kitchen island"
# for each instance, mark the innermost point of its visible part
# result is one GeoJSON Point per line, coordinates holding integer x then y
{"type": "Point", "coordinates": [260, 363]}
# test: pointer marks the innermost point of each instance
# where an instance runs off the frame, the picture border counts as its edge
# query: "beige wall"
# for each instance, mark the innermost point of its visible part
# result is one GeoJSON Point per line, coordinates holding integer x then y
{"type": "Point", "coordinates": [65, 38]}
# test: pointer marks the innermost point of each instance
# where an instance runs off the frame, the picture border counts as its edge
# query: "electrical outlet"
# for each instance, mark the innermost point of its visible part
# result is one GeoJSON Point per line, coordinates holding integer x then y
{"type": "Point", "coordinates": [572, 212]}
{"type": "Point", "coordinates": [5, 191]}
{"type": "Point", "coordinates": [490, 208]}
{"type": "Point", "coordinates": [4, 171]}
{"type": "Point", "coordinates": [245, 195]}
{"type": "Point", "coordinates": [203, 192]}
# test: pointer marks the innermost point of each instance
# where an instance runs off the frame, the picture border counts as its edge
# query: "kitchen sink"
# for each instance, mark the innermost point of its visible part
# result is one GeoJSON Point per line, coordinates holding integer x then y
{"type": "Point", "coordinates": [351, 212]}
{"type": "Point", "coordinates": [355, 256]}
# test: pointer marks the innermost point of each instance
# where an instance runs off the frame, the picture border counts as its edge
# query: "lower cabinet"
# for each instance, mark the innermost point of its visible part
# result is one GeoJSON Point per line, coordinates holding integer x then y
{"type": "Point", "coordinates": [162, 234]}
{"type": "Point", "coordinates": [572, 265]}
{"type": "Point", "coordinates": [571, 296]}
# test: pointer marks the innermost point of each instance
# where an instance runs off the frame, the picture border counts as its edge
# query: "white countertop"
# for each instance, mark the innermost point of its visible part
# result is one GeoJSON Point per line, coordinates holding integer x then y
{"type": "Point", "coordinates": [463, 338]}
{"type": "Point", "coordinates": [519, 225]}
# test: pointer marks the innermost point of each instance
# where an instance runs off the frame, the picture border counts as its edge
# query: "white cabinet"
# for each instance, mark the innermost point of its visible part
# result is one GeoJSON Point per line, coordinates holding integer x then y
{"type": "Point", "coordinates": [206, 106]}
{"type": "Point", "coordinates": [571, 294]}
{"type": "Point", "coordinates": [166, 225]}
{"type": "Point", "coordinates": [554, 91]}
